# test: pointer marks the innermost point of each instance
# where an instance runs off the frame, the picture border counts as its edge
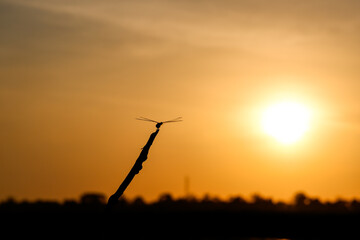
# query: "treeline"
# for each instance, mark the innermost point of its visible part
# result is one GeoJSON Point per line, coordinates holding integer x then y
{"type": "Point", "coordinates": [96, 202]}
{"type": "Point", "coordinates": [181, 218]}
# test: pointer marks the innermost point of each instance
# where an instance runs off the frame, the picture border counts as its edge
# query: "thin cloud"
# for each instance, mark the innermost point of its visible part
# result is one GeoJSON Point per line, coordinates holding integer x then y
{"type": "Point", "coordinates": [240, 24]}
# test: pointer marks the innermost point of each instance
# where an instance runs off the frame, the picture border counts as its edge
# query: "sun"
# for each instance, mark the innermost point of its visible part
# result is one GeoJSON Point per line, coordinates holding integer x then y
{"type": "Point", "coordinates": [286, 121]}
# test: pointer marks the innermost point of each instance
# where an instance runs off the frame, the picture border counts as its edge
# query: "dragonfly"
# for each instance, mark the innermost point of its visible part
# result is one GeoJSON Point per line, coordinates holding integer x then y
{"type": "Point", "coordinates": [158, 124]}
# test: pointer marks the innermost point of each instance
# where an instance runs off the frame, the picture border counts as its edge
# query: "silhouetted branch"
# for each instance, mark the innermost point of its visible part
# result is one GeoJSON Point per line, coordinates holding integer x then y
{"type": "Point", "coordinates": [134, 170]}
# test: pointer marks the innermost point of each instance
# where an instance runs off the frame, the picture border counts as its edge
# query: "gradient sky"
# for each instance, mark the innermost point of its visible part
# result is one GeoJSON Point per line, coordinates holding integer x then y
{"type": "Point", "coordinates": [75, 74]}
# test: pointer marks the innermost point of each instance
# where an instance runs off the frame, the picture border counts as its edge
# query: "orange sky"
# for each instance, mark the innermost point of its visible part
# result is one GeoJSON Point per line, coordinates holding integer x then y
{"type": "Point", "coordinates": [74, 75]}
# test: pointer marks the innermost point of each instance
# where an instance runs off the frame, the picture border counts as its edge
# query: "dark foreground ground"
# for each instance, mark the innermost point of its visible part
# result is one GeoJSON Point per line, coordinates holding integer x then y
{"type": "Point", "coordinates": [230, 225]}
{"type": "Point", "coordinates": [179, 225]}
{"type": "Point", "coordinates": [181, 219]}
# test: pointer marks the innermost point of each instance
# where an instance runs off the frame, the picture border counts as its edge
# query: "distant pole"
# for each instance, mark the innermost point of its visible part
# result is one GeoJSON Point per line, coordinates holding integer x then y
{"type": "Point", "coordinates": [134, 170]}
{"type": "Point", "coordinates": [187, 186]}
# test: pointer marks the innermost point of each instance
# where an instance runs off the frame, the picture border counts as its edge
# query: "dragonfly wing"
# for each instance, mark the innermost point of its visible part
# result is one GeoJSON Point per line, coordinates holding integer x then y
{"type": "Point", "coordinates": [146, 119]}
{"type": "Point", "coordinates": [172, 121]}
{"type": "Point", "coordinates": [178, 119]}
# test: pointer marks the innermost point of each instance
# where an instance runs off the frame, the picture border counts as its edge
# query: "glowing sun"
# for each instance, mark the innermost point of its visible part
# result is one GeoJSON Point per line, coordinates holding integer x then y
{"type": "Point", "coordinates": [286, 121]}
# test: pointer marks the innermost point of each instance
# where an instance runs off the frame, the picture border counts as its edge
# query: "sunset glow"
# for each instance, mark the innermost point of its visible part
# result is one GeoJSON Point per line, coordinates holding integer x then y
{"type": "Point", "coordinates": [268, 92]}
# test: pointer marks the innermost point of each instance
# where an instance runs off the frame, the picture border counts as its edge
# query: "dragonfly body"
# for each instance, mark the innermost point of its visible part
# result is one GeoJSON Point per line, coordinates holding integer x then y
{"type": "Point", "coordinates": [159, 124]}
